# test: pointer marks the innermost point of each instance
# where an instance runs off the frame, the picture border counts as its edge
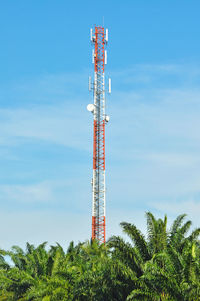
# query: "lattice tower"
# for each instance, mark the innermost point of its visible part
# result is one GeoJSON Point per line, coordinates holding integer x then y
{"type": "Point", "coordinates": [99, 40]}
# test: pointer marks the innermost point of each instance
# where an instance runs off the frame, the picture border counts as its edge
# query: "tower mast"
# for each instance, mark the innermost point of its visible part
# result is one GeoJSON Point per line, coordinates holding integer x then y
{"type": "Point", "coordinates": [99, 40]}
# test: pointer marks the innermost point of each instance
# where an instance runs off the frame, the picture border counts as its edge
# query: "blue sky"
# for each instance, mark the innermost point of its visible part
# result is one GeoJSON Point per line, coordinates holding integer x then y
{"type": "Point", "coordinates": [152, 140]}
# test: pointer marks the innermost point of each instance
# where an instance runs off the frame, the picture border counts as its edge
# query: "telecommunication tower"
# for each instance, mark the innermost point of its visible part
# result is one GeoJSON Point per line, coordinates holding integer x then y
{"type": "Point", "coordinates": [99, 39]}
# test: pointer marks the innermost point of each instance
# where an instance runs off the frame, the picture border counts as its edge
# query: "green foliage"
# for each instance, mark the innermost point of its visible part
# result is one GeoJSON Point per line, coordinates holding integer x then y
{"type": "Point", "coordinates": [163, 266]}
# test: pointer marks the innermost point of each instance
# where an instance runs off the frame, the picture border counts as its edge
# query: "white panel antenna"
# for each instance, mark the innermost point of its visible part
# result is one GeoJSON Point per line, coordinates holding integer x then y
{"type": "Point", "coordinates": [92, 56]}
{"type": "Point", "coordinates": [105, 57]}
{"type": "Point", "coordinates": [91, 34]}
{"type": "Point", "coordinates": [89, 83]}
{"type": "Point", "coordinates": [106, 35]}
{"type": "Point", "coordinates": [109, 85]}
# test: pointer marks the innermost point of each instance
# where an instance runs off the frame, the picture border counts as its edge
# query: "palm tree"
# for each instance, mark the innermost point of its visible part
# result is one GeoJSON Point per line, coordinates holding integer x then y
{"type": "Point", "coordinates": [33, 275]}
{"type": "Point", "coordinates": [171, 275]}
{"type": "Point", "coordinates": [163, 266]}
{"type": "Point", "coordinates": [150, 258]}
{"type": "Point", "coordinates": [85, 272]}
{"type": "Point", "coordinates": [98, 277]}
{"type": "Point", "coordinates": [141, 250]}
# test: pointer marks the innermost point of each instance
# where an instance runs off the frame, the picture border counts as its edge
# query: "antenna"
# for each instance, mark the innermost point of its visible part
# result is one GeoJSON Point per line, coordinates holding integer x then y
{"type": "Point", "coordinates": [90, 107]}
{"type": "Point", "coordinates": [89, 83]}
{"type": "Point", "coordinates": [91, 34]}
{"type": "Point", "coordinates": [109, 85]}
{"type": "Point", "coordinates": [106, 38]}
{"type": "Point", "coordinates": [105, 57]}
{"type": "Point", "coordinates": [92, 56]}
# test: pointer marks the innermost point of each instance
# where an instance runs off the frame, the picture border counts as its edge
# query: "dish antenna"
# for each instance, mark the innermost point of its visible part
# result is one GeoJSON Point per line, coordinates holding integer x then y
{"type": "Point", "coordinates": [107, 118]}
{"type": "Point", "coordinates": [90, 107]}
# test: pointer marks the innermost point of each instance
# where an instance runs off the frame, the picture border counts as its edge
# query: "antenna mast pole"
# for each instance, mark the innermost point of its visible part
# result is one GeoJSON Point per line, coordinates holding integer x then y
{"type": "Point", "coordinates": [99, 39]}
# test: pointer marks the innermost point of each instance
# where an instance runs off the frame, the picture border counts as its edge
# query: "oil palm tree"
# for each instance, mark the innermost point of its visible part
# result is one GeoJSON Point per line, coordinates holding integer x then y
{"type": "Point", "coordinates": [32, 271]}
{"type": "Point", "coordinates": [141, 250]}
{"type": "Point", "coordinates": [171, 275]}
{"type": "Point", "coordinates": [147, 257]}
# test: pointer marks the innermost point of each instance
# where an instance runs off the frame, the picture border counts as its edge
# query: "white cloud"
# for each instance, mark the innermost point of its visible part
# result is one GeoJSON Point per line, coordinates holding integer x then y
{"type": "Point", "coordinates": [174, 208]}
{"type": "Point", "coordinates": [40, 192]}
{"type": "Point", "coordinates": [152, 154]}
{"type": "Point", "coordinates": [66, 125]}
{"type": "Point", "coordinates": [170, 159]}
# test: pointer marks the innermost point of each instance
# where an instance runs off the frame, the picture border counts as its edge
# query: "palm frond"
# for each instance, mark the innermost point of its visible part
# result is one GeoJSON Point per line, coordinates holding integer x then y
{"type": "Point", "coordinates": [138, 239]}
{"type": "Point", "coordinates": [176, 224]}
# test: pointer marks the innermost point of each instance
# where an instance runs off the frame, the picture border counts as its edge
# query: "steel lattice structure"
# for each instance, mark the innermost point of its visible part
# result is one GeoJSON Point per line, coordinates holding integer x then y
{"type": "Point", "coordinates": [99, 40]}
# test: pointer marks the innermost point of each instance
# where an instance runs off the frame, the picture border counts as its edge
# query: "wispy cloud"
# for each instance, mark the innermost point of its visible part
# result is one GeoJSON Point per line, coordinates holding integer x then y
{"type": "Point", "coordinates": [190, 207]}
{"type": "Point", "coordinates": [155, 76]}
{"type": "Point", "coordinates": [152, 146]}
{"type": "Point", "coordinates": [66, 125]}
{"type": "Point", "coordinates": [40, 192]}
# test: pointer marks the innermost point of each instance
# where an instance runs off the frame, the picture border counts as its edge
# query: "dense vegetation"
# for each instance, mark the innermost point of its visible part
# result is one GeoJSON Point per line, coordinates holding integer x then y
{"type": "Point", "coordinates": [165, 266]}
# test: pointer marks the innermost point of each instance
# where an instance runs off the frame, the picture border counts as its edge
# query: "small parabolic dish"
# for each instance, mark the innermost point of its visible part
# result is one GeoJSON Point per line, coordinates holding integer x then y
{"type": "Point", "coordinates": [90, 107]}
{"type": "Point", "coordinates": [107, 118]}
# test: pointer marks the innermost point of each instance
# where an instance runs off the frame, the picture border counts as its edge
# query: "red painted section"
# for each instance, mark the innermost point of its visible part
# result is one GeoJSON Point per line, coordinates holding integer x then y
{"type": "Point", "coordinates": [104, 230]}
{"type": "Point", "coordinates": [99, 229]}
{"type": "Point", "coordinates": [104, 144]}
{"type": "Point", "coordinates": [93, 227]}
{"type": "Point", "coordinates": [99, 53]}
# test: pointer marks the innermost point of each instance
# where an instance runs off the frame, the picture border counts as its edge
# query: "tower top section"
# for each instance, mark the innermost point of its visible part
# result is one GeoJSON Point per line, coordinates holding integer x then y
{"type": "Point", "coordinates": [99, 39]}
{"type": "Point", "coordinates": [98, 29]}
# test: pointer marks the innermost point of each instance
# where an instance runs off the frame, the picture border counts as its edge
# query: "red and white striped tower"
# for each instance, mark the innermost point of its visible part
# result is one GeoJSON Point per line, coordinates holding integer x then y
{"type": "Point", "coordinates": [99, 39]}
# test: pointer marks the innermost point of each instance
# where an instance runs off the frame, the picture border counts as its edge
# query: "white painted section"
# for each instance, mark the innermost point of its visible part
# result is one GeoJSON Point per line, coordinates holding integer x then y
{"type": "Point", "coordinates": [95, 96]}
{"type": "Point", "coordinates": [93, 193]}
